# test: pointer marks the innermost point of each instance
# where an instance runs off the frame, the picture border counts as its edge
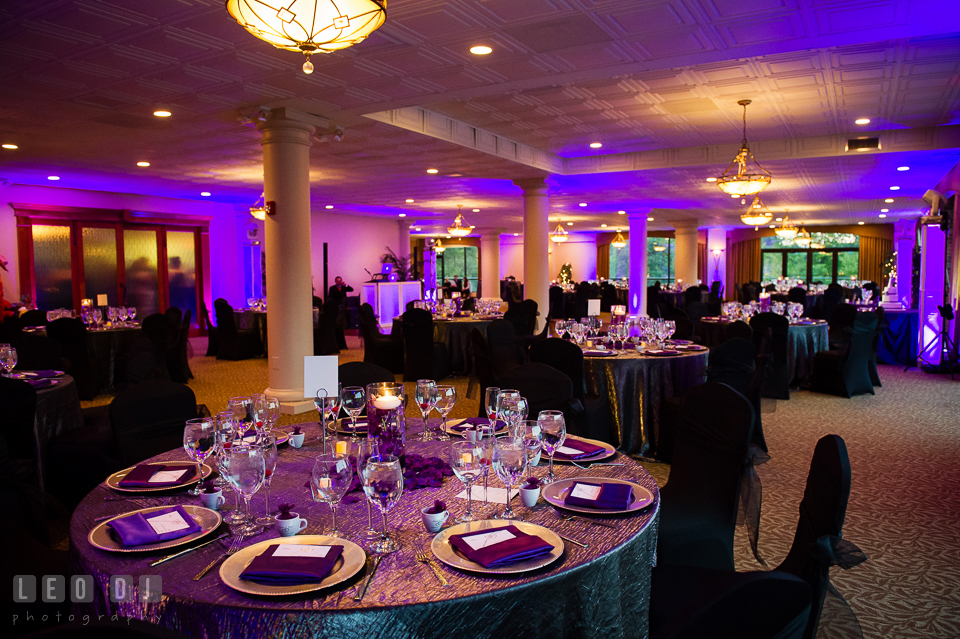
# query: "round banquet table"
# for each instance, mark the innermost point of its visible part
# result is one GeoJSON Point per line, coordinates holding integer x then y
{"type": "Point", "coordinates": [455, 335]}
{"type": "Point", "coordinates": [601, 591]}
{"type": "Point", "coordinates": [804, 341]}
{"type": "Point", "coordinates": [635, 385]}
{"type": "Point", "coordinates": [58, 410]}
{"type": "Point", "coordinates": [106, 346]}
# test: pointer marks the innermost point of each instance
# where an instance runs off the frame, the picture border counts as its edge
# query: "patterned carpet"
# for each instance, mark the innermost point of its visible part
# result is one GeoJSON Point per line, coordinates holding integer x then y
{"type": "Point", "coordinates": [904, 511]}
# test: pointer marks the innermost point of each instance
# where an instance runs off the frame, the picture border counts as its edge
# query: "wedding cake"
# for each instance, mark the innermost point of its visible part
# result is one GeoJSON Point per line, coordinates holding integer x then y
{"type": "Point", "coordinates": [889, 300]}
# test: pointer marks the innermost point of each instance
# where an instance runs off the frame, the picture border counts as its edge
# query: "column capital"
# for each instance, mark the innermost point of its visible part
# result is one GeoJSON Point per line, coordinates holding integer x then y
{"type": "Point", "coordinates": [639, 214]}
{"type": "Point", "coordinates": [533, 186]}
{"type": "Point", "coordinates": [904, 229]}
{"type": "Point", "coordinates": [283, 126]}
{"type": "Point", "coordinates": [686, 225]}
{"type": "Point", "coordinates": [486, 234]}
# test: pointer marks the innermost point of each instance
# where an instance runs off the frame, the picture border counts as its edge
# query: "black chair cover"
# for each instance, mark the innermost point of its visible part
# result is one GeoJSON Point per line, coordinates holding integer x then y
{"type": "Point", "coordinates": [739, 329]}
{"type": "Point", "coordinates": [19, 402]}
{"type": "Point", "coordinates": [844, 371]}
{"type": "Point", "coordinates": [684, 327]}
{"type": "Point", "coordinates": [818, 543]}
{"type": "Point", "coordinates": [797, 295]}
{"type": "Point", "coordinates": [502, 346]}
{"type": "Point", "coordinates": [183, 344]}
{"type": "Point", "coordinates": [156, 328]}
{"type": "Point", "coordinates": [213, 337]}
{"type": "Point", "coordinates": [325, 334]}
{"type": "Point", "coordinates": [882, 323]}
{"type": "Point", "coordinates": [36, 317]}
{"type": "Point", "coordinates": [148, 419]}
{"type": "Point", "coordinates": [594, 420]}
{"type": "Point", "coordinates": [379, 349]}
{"type": "Point", "coordinates": [734, 363]}
{"type": "Point", "coordinates": [234, 344]}
{"type": "Point", "coordinates": [545, 388]}
{"type": "Point", "coordinates": [422, 357]}
{"type": "Point", "coordinates": [770, 337]}
{"type": "Point", "coordinates": [482, 367]}
{"type": "Point", "coordinates": [841, 318]}
{"type": "Point", "coordinates": [71, 334]}
{"type": "Point", "coordinates": [362, 373]}
{"type": "Point", "coordinates": [177, 363]}
{"type": "Point", "coordinates": [36, 352]}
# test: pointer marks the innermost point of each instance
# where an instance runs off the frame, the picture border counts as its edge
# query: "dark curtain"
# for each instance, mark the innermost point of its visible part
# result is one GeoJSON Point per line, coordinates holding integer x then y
{"type": "Point", "coordinates": [603, 261]}
{"type": "Point", "coordinates": [874, 251]}
{"type": "Point", "coordinates": [745, 262]}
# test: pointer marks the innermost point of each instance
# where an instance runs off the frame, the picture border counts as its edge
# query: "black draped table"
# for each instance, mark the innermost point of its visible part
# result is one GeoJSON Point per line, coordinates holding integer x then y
{"type": "Point", "coordinates": [252, 319]}
{"type": "Point", "coordinates": [455, 335]}
{"type": "Point", "coordinates": [601, 591]}
{"type": "Point", "coordinates": [106, 346]}
{"type": "Point", "coordinates": [898, 338]}
{"type": "Point", "coordinates": [634, 386]}
{"type": "Point", "coordinates": [58, 410]}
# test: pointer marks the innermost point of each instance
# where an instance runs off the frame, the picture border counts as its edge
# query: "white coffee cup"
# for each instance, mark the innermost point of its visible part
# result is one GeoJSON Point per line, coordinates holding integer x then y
{"type": "Point", "coordinates": [290, 527]}
{"type": "Point", "coordinates": [529, 496]}
{"type": "Point", "coordinates": [297, 440]}
{"type": "Point", "coordinates": [433, 522]}
{"type": "Point", "coordinates": [213, 501]}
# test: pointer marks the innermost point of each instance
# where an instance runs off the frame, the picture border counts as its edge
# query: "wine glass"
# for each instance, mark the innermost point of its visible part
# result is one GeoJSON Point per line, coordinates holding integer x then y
{"type": "Point", "coordinates": [446, 398]}
{"type": "Point", "coordinates": [8, 359]}
{"type": "Point", "coordinates": [353, 399]}
{"type": "Point", "coordinates": [271, 411]}
{"type": "Point", "coordinates": [246, 472]}
{"type": "Point", "coordinates": [466, 460]}
{"type": "Point", "coordinates": [510, 464]}
{"type": "Point", "coordinates": [268, 444]}
{"type": "Point", "coordinates": [131, 312]}
{"type": "Point", "coordinates": [491, 404]}
{"type": "Point", "coordinates": [426, 397]}
{"type": "Point", "coordinates": [112, 314]}
{"type": "Point", "coordinates": [226, 433]}
{"type": "Point", "coordinates": [242, 409]}
{"type": "Point", "coordinates": [530, 432]}
{"type": "Point", "coordinates": [553, 432]}
{"type": "Point", "coordinates": [669, 328]}
{"type": "Point", "coordinates": [383, 485]}
{"type": "Point", "coordinates": [200, 441]}
{"type": "Point", "coordinates": [122, 315]}
{"type": "Point", "coordinates": [330, 481]}
{"type": "Point", "coordinates": [486, 442]}
{"type": "Point", "coordinates": [362, 449]}
{"type": "Point", "coordinates": [258, 405]}
{"type": "Point", "coordinates": [97, 317]}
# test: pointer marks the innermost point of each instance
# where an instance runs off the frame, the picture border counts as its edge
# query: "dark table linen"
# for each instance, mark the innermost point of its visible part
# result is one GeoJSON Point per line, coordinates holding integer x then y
{"type": "Point", "coordinates": [898, 340]}
{"type": "Point", "coordinates": [58, 410]}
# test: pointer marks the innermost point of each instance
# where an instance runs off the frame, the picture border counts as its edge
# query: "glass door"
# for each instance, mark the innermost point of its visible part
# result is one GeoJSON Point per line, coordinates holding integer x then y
{"type": "Point", "coordinates": [99, 264]}
{"type": "Point", "coordinates": [140, 263]}
{"type": "Point", "coordinates": [52, 259]}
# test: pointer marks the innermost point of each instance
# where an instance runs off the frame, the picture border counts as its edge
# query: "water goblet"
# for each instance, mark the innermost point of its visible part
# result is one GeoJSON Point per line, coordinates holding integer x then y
{"type": "Point", "coordinates": [271, 407]}
{"type": "Point", "coordinates": [510, 464]}
{"type": "Point", "coordinates": [131, 312]}
{"type": "Point", "coordinates": [268, 444]}
{"type": "Point", "coordinates": [553, 432]}
{"type": "Point", "coordinates": [491, 404]}
{"type": "Point", "coordinates": [97, 317]}
{"type": "Point", "coordinates": [246, 472]}
{"type": "Point", "coordinates": [353, 399]}
{"type": "Point", "coordinates": [426, 397]}
{"type": "Point", "coordinates": [200, 441]}
{"type": "Point", "coordinates": [530, 432]}
{"type": "Point", "coordinates": [362, 450]}
{"type": "Point", "coordinates": [446, 399]}
{"type": "Point", "coordinates": [122, 315]}
{"type": "Point", "coordinates": [112, 314]}
{"type": "Point", "coordinates": [383, 484]}
{"type": "Point", "coordinates": [466, 460]}
{"type": "Point", "coordinates": [242, 409]}
{"type": "Point", "coordinates": [8, 359]}
{"type": "Point", "coordinates": [258, 404]}
{"type": "Point", "coordinates": [330, 481]}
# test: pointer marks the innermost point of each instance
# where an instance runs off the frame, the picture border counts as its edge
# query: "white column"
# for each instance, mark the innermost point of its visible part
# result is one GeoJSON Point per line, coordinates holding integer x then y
{"type": "Point", "coordinates": [286, 181]}
{"type": "Point", "coordinates": [716, 257]}
{"type": "Point", "coordinates": [490, 264]}
{"type": "Point", "coordinates": [904, 239]}
{"type": "Point", "coordinates": [536, 256]}
{"type": "Point", "coordinates": [685, 233]}
{"type": "Point", "coordinates": [403, 239]}
{"type": "Point", "coordinates": [637, 304]}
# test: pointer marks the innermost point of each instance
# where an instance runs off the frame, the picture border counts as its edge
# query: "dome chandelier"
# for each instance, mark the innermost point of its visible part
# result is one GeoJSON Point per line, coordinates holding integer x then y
{"type": "Point", "coordinates": [803, 239]}
{"type": "Point", "coordinates": [309, 26]}
{"type": "Point", "coordinates": [261, 209]}
{"type": "Point", "coordinates": [787, 229]}
{"type": "Point", "coordinates": [757, 214]}
{"type": "Point", "coordinates": [560, 235]}
{"type": "Point", "coordinates": [736, 180]}
{"type": "Point", "coordinates": [618, 240]}
{"type": "Point", "coordinates": [438, 246]}
{"type": "Point", "coordinates": [459, 229]}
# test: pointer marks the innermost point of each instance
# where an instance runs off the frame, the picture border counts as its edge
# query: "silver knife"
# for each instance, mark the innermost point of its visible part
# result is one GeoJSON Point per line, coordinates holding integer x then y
{"type": "Point", "coordinates": [366, 582]}
{"type": "Point", "coordinates": [573, 541]}
{"type": "Point", "coordinates": [183, 552]}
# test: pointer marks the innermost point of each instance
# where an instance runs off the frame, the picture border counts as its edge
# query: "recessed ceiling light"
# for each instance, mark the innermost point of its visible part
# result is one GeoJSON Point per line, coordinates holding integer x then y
{"type": "Point", "coordinates": [621, 212]}
{"type": "Point", "coordinates": [205, 193]}
{"type": "Point", "coordinates": [861, 223]}
{"type": "Point", "coordinates": [883, 215]}
{"type": "Point", "coordinates": [432, 171]}
{"type": "Point", "coordinates": [773, 226]}
{"type": "Point", "coordinates": [889, 200]}
{"type": "Point", "coordinates": [516, 234]}
{"type": "Point", "coordinates": [161, 113]}
{"type": "Point", "coordinates": [583, 204]}
{"type": "Point", "coordinates": [143, 164]}
{"type": "Point", "coordinates": [481, 50]}
{"type": "Point", "coordinates": [595, 145]}
{"type": "Point", "coordinates": [862, 121]}
{"type": "Point", "coordinates": [403, 215]}
{"type": "Point", "coordinates": [649, 219]}
{"type": "Point", "coordinates": [53, 177]}
{"type": "Point", "coordinates": [416, 228]}
{"type": "Point", "coordinates": [409, 201]}
{"type": "Point", "coordinates": [328, 206]}
{"type": "Point", "coordinates": [569, 223]}
{"type": "Point", "coordinates": [476, 210]}
{"type": "Point", "coordinates": [10, 146]}
{"type": "Point", "coordinates": [711, 179]}
{"type": "Point", "coordinates": [448, 237]}
{"type": "Point", "coordinates": [603, 226]}
{"type": "Point", "coordinates": [884, 210]}
{"type": "Point", "coordinates": [894, 188]}
{"type": "Point", "coordinates": [903, 168]}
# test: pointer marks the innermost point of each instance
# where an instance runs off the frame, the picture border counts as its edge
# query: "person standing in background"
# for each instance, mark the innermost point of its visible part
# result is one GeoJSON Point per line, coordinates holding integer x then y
{"type": "Point", "coordinates": [338, 292]}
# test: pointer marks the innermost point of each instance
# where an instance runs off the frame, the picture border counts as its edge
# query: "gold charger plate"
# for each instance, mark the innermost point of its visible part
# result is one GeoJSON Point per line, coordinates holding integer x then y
{"type": "Point", "coordinates": [607, 452]}
{"type": "Point", "coordinates": [445, 552]}
{"type": "Point", "coordinates": [343, 426]}
{"type": "Point", "coordinates": [453, 432]}
{"type": "Point", "coordinates": [208, 519]}
{"type": "Point", "coordinates": [555, 493]}
{"type": "Point", "coordinates": [113, 481]}
{"type": "Point", "coordinates": [351, 561]}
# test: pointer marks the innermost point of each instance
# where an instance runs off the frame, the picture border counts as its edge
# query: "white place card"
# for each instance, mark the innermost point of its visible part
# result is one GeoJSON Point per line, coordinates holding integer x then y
{"type": "Point", "coordinates": [454, 422]}
{"type": "Point", "coordinates": [584, 491]}
{"type": "Point", "coordinates": [489, 539]}
{"type": "Point", "coordinates": [494, 495]}
{"type": "Point", "coordinates": [320, 372]}
{"type": "Point", "coordinates": [593, 308]}
{"type": "Point", "coordinates": [102, 300]}
{"type": "Point", "coordinates": [169, 522]}
{"type": "Point", "coordinates": [166, 476]}
{"type": "Point", "coordinates": [566, 450]}
{"type": "Point", "coordinates": [300, 550]}
{"type": "Point", "coordinates": [341, 464]}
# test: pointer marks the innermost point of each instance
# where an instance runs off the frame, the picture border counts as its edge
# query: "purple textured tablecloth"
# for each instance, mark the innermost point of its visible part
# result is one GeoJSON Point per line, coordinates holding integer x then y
{"type": "Point", "coordinates": [601, 591]}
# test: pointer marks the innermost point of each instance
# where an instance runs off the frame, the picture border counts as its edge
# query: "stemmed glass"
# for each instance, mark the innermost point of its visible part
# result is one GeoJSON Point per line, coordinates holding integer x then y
{"type": "Point", "coordinates": [246, 472]}
{"type": "Point", "coordinates": [530, 432]}
{"type": "Point", "coordinates": [383, 485]}
{"type": "Point", "coordinates": [486, 444]}
{"type": "Point", "coordinates": [97, 317]}
{"type": "Point", "coordinates": [466, 460]}
{"type": "Point", "coordinates": [330, 481]}
{"type": "Point", "coordinates": [271, 407]}
{"type": "Point", "coordinates": [242, 409]}
{"type": "Point", "coordinates": [491, 404]}
{"type": "Point", "coordinates": [8, 359]}
{"type": "Point", "coordinates": [446, 399]}
{"type": "Point", "coordinates": [362, 449]}
{"type": "Point", "coordinates": [268, 444]}
{"type": "Point", "coordinates": [200, 441]}
{"type": "Point", "coordinates": [510, 464]}
{"type": "Point", "coordinates": [112, 314]}
{"type": "Point", "coordinates": [122, 315]}
{"type": "Point", "coordinates": [426, 397]}
{"type": "Point", "coordinates": [353, 400]}
{"type": "Point", "coordinates": [553, 432]}
{"type": "Point", "coordinates": [258, 405]}
{"type": "Point", "coordinates": [226, 432]}
{"type": "Point", "coordinates": [131, 312]}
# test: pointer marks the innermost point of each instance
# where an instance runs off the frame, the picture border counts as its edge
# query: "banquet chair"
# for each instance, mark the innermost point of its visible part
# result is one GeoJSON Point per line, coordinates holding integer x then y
{"type": "Point", "coordinates": [422, 357]}
{"type": "Point", "coordinates": [325, 333]}
{"type": "Point", "coordinates": [156, 328]}
{"type": "Point", "coordinates": [363, 373]}
{"type": "Point", "coordinates": [770, 337]}
{"type": "Point", "coordinates": [840, 322]}
{"type": "Point", "coordinates": [19, 402]}
{"type": "Point", "coordinates": [594, 420]}
{"type": "Point", "coordinates": [503, 347]}
{"type": "Point", "coordinates": [148, 419]}
{"type": "Point", "coordinates": [71, 334]}
{"type": "Point", "coordinates": [710, 470]}
{"type": "Point", "coordinates": [818, 542]}
{"type": "Point", "coordinates": [684, 328]}
{"type": "Point", "coordinates": [734, 363]}
{"type": "Point", "coordinates": [235, 344]}
{"type": "Point", "coordinates": [175, 315]}
{"type": "Point", "coordinates": [213, 338]}
{"type": "Point", "coordinates": [183, 344]}
{"type": "Point", "coordinates": [36, 317]}
{"type": "Point", "coordinates": [882, 323]}
{"type": "Point", "coordinates": [380, 349]}
{"type": "Point", "coordinates": [797, 295]}
{"type": "Point", "coordinates": [177, 359]}
{"type": "Point", "coordinates": [738, 329]}
{"type": "Point", "coordinates": [482, 367]}
{"type": "Point", "coordinates": [692, 603]}
{"type": "Point", "coordinates": [545, 388]}
{"type": "Point", "coordinates": [36, 352]}
{"type": "Point", "coordinates": [844, 370]}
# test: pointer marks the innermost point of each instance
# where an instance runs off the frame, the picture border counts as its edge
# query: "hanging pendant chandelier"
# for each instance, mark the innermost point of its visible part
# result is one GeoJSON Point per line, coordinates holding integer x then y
{"type": "Point", "coordinates": [803, 239]}
{"type": "Point", "coordinates": [309, 26]}
{"type": "Point", "coordinates": [737, 180]}
{"type": "Point", "coordinates": [560, 235]}
{"type": "Point", "coordinates": [259, 209]}
{"type": "Point", "coordinates": [757, 214]}
{"type": "Point", "coordinates": [438, 246]}
{"type": "Point", "coordinates": [659, 248]}
{"type": "Point", "coordinates": [618, 240]}
{"type": "Point", "coordinates": [459, 229]}
{"type": "Point", "coordinates": [787, 229]}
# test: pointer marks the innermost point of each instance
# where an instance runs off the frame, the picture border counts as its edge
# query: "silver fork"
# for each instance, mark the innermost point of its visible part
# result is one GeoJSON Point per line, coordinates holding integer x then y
{"type": "Point", "coordinates": [234, 547]}
{"type": "Point", "coordinates": [422, 556]}
{"type": "Point", "coordinates": [595, 522]}
{"type": "Point", "coordinates": [597, 464]}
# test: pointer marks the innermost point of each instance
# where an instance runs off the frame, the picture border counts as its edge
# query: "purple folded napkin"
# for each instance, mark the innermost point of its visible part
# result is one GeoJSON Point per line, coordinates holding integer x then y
{"type": "Point", "coordinates": [46, 374]}
{"type": "Point", "coordinates": [39, 383]}
{"type": "Point", "coordinates": [472, 422]}
{"type": "Point", "coordinates": [659, 353]}
{"type": "Point", "coordinates": [345, 425]}
{"type": "Point", "coordinates": [609, 497]}
{"type": "Point", "coordinates": [140, 476]}
{"type": "Point", "coordinates": [502, 547]}
{"type": "Point", "coordinates": [599, 353]}
{"type": "Point", "coordinates": [679, 342]}
{"type": "Point", "coordinates": [586, 450]}
{"type": "Point", "coordinates": [297, 564]}
{"type": "Point", "coordinates": [153, 527]}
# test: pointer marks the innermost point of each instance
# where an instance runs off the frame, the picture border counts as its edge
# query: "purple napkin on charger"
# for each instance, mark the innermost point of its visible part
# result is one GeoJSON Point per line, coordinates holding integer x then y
{"type": "Point", "coordinates": [361, 424]}
{"type": "Point", "coordinates": [586, 450]}
{"type": "Point", "coordinates": [140, 476]}
{"type": "Point", "coordinates": [39, 383]}
{"type": "Point", "coordinates": [520, 548]}
{"type": "Point", "coordinates": [611, 497]}
{"type": "Point", "coordinates": [592, 353]}
{"type": "Point", "coordinates": [46, 374]}
{"type": "Point", "coordinates": [661, 353]}
{"type": "Point", "coordinates": [288, 571]}
{"type": "Point", "coordinates": [473, 422]}
{"type": "Point", "coordinates": [135, 529]}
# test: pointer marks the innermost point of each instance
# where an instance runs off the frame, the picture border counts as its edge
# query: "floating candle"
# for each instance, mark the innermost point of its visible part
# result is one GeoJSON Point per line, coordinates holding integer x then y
{"type": "Point", "coordinates": [386, 402]}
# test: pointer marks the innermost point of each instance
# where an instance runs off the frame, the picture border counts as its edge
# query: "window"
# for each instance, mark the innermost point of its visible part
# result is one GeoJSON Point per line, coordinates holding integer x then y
{"type": "Point", "coordinates": [661, 254]}
{"type": "Point", "coordinates": [829, 258]}
{"type": "Point", "coordinates": [459, 261]}
{"type": "Point", "coordinates": [619, 262]}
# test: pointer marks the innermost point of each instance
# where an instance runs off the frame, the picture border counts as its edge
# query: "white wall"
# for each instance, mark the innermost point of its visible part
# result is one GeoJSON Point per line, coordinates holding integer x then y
{"type": "Point", "coordinates": [354, 243]}
{"type": "Point", "coordinates": [511, 256]}
{"type": "Point", "coordinates": [716, 240]}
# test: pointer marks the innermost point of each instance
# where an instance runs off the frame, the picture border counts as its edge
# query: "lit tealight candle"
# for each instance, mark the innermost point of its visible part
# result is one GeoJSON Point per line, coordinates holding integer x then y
{"type": "Point", "coordinates": [341, 448]}
{"type": "Point", "coordinates": [324, 482]}
{"type": "Point", "coordinates": [466, 458]}
{"type": "Point", "coordinates": [386, 402]}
